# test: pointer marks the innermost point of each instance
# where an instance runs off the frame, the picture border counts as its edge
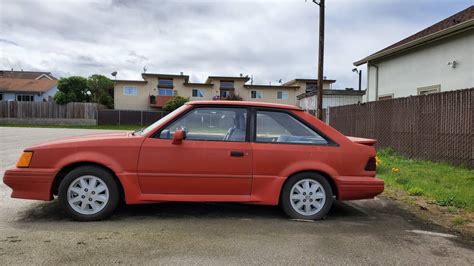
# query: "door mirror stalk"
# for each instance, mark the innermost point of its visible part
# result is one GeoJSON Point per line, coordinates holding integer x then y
{"type": "Point", "coordinates": [179, 136]}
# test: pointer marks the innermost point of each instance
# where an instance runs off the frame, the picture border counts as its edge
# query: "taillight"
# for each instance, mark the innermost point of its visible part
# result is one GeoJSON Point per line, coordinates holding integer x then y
{"type": "Point", "coordinates": [371, 164]}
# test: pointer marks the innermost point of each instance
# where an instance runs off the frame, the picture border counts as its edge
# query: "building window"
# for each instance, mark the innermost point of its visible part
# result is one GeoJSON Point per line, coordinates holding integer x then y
{"type": "Point", "coordinates": [386, 97]}
{"type": "Point", "coordinates": [429, 90]}
{"type": "Point", "coordinates": [227, 84]}
{"type": "Point", "coordinates": [165, 83]}
{"type": "Point", "coordinates": [282, 95]}
{"type": "Point", "coordinates": [198, 93]}
{"type": "Point", "coordinates": [224, 93]}
{"type": "Point", "coordinates": [256, 95]}
{"type": "Point", "coordinates": [165, 92]}
{"type": "Point", "coordinates": [130, 90]}
{"type": "Point", "coordinates": [311, 87]}
{"type": "Point", "coordinates": [25, 98]}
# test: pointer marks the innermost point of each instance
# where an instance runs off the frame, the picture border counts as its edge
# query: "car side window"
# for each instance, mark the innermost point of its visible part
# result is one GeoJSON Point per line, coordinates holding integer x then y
{"type": "Point", "coordinates": [213, 124]}
{"type": "Point", "coordinates": [281, 127]}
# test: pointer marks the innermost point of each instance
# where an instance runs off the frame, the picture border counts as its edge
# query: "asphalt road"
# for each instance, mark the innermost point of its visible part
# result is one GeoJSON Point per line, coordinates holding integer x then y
{"type": "Point", "coordinates": [359, 232]}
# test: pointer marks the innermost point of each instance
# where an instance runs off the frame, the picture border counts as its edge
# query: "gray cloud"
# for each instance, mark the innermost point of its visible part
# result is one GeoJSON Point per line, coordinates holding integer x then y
{"type": "Point", "coordinates": [271, 40]}
{"type": "Point", "coordinates": [8, 42]}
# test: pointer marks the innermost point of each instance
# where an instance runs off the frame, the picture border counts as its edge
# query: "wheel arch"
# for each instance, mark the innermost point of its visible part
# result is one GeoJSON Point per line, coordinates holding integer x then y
{"type": "Point", "coordinates": [328, 177]}
{"type": "Point", "coordinates": [68, 168]}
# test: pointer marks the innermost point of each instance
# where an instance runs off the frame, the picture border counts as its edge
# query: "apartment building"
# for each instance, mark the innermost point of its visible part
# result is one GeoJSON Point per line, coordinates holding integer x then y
{"type": "Point", "coordinates": [155, 90]}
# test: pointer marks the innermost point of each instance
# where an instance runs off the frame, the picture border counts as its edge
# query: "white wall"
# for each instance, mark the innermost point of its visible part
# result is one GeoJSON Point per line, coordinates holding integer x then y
{"type": "Point", "coordinates": [38, 97]}
{"type": "Point", "coordinates": [427, 65]}
{"type": "Point", "coordinates": [309, 103]}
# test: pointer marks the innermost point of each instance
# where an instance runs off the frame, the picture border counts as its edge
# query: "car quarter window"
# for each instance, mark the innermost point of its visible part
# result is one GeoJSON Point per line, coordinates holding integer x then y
{"type": "Point", "coordinates": [213, 124]}
{"type": "Point", "coordinates": [281, 127]}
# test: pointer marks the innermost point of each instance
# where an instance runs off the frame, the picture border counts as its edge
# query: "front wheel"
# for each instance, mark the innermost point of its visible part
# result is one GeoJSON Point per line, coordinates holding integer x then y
{"type": "Point", "coordinates": [306, 196]}
{"type": "Point", "coordinates": [89, 193]}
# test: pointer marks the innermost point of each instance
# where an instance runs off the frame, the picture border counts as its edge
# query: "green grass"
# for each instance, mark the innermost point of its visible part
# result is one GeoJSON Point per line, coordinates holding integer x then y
{"type": "Point", "coordinates": [111, 127]}
{"type": "Point", "coordinates": [441, 183]}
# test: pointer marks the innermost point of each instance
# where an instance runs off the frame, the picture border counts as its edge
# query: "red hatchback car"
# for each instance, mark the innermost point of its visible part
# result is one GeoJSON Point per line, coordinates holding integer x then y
{"type": "Point", "coordinates": [211, 151]}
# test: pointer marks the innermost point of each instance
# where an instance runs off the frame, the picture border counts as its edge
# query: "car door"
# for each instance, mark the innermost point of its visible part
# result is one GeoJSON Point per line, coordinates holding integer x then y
{"type": "Point", "coordinates": [215, 158]}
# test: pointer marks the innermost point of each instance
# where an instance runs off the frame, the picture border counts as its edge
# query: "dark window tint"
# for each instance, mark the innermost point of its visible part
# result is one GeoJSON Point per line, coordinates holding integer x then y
{"type": "Point", "coordinates": [227, 84]}
{"type": "Point", "coordinates": [281, 127]}
{"type": "Point", "coordinates": [165, 82]}
{"type": "Point", "coordinates": [24, 98]}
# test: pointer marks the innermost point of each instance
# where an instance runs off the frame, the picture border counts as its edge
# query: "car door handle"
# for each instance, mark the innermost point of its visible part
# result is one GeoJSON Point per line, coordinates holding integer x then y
{"type": "Point", "coordinates": [237, 153]}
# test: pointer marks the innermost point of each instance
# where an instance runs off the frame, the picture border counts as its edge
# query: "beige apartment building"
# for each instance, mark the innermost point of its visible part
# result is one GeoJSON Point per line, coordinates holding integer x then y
{"type": "Point", "coordinates": [155, 90]}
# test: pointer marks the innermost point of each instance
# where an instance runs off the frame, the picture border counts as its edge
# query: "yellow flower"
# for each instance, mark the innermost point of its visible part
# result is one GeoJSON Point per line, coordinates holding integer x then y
{"type": "Point", "coordinates": [378, 162]}
{"type": "Point", "coordinates": [395, 170]}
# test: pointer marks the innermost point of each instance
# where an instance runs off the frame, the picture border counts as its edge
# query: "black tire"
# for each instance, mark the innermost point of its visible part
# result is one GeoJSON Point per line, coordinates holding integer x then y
{"type": "Point", "coordinates": [285, 200]}
{"type": "Point", "coordinates": [105, 177]}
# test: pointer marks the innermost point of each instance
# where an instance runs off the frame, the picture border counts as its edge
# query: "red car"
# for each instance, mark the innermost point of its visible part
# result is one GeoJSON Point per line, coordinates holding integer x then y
{"type": "Point", "coordinates": [210, 151]}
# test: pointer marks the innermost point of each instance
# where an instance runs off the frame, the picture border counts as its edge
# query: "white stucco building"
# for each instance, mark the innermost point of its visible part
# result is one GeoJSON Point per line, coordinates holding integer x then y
{"type": "Point", "coordinates": [438, 58]}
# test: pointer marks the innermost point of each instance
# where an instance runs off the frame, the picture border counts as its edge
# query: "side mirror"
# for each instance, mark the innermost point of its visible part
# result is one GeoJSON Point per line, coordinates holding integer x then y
{"type": "Point", "coordinates": [178, 136]}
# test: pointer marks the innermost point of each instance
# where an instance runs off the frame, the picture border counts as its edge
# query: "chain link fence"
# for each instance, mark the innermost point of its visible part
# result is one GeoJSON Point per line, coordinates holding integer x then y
{"type": "Point", "coordinates": [436, 127]}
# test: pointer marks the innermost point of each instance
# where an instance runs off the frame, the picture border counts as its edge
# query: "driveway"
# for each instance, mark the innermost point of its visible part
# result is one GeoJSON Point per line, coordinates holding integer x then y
{"type": "Point", "coordinates": [358, 232]}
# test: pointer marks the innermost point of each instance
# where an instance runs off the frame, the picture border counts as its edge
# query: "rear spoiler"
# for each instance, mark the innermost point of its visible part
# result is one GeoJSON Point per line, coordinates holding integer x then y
{"type": "Point", "coordinates": [368, 142]}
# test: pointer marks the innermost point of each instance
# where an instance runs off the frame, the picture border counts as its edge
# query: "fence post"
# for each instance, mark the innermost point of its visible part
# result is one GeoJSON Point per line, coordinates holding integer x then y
{"type": "Point", "coordinates": [119, 117]}
{"type": "Point", "coordinates": [141, 118]}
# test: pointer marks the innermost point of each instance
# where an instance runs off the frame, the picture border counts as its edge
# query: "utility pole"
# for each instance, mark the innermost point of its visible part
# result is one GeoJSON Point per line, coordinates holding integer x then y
{"type": "Point", "coordinates": [321, 5]}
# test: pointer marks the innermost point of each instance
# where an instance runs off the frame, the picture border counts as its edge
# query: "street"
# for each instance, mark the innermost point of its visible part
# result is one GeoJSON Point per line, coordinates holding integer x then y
{"type": "Point", "coordinates": [359, 232]}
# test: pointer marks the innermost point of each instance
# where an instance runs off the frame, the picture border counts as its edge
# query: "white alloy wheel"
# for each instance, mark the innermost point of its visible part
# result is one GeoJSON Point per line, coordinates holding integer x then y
{"type": "Point", "coordinates": [87, 195]}
{"type": "Point", "coordinates": [307, 197]}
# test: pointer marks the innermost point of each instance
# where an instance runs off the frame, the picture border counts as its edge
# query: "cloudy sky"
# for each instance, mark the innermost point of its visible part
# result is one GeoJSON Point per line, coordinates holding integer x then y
{"type": "Point", "coordinates": [270, 40]}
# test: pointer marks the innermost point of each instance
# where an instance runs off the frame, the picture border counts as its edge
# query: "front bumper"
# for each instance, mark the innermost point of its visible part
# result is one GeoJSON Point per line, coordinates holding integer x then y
{"type": "Point", "coordinates": [358, 187]}
{"type": "Point", "coordinates": [30, 183]}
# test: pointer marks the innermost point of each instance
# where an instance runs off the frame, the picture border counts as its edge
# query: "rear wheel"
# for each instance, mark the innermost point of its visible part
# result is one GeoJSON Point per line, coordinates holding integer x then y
{"type": "Point", "coordinates": [306, 196]}
{"type": "Point", "coordinates": [89, 193]}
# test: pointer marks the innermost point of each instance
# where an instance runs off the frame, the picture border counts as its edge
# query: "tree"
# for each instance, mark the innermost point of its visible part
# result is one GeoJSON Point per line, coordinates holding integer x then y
{"type": "Point", "coordinates": [79, 89]}
{"type": "Point", "coordinates": [99, 87]}
{"type": "Point", "coordinates": [233, 97]}
{"type": "Point", "coordinates": [174, 103]}
{"type": "Point", "coordinates": [72, 89]}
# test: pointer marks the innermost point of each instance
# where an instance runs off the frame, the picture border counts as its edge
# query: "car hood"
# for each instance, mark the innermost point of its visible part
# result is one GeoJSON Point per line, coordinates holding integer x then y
{"type": "Point", "coordinates": [81, 139]}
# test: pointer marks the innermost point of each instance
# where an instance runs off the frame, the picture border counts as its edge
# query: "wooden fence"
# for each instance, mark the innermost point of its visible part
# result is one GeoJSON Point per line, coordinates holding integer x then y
{"type": "Point", "coordinates": [47, 110]}
{"type": "Point", "coordinates": [437, 127]}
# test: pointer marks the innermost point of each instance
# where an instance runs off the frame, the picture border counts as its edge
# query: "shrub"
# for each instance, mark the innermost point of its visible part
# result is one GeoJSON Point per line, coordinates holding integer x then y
{"type": "Point", "coordinates": [415, 191]}
{"type": "Point", "coordinates": [234, 97]}
{"type": "Point", "coordinates": [451, 201]}
{"type": "Point", "coordinates": [459, 220]}
{"type": "Point", "coordinates": [174, 103]}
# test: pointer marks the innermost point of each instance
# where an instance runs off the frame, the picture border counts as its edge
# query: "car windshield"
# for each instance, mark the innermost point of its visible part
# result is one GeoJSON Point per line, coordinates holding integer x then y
{"type": "Point", "coordinates": [160, 122]}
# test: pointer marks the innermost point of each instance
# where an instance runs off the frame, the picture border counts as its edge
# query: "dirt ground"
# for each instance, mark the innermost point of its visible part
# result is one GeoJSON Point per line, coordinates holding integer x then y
{"type": "Point", "coordinates": [359, 232]}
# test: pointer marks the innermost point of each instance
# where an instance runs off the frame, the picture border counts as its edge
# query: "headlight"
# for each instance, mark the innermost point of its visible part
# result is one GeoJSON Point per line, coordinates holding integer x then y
{"type": "Point", "coordinates": [25, 159]}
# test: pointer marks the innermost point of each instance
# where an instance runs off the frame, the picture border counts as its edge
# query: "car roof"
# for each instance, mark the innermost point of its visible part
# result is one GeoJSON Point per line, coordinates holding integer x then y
{"type": "Point", "coordinates": [245, 103]}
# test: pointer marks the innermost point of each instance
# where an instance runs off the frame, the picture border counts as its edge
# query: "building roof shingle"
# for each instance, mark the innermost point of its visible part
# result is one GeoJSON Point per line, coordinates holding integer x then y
{"type": "Point", "coordinates": [24, 74]}
{"type": "Point", "coordinates": [454, 20]}
{"type": "Point", "coordinates": [26, 85]}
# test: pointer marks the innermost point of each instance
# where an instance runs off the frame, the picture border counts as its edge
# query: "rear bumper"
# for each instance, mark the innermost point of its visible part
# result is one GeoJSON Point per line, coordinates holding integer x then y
{"type": "Point", "coordinates": [358, 187]}
{"type": "Point", "coordinates": [29, 183]}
